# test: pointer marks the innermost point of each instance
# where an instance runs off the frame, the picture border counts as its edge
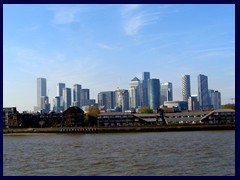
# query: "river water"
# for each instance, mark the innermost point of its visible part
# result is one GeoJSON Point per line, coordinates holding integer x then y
{"type": "Point", "coordinates": [198, 153]}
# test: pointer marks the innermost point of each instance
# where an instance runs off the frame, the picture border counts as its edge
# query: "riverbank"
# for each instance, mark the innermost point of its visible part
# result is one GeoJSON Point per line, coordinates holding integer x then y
{"type": "Point", "coordinates": [160, 128]}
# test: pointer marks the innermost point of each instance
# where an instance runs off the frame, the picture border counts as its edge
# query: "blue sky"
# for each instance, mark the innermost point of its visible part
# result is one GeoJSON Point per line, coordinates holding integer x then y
{"type": "Point", "coordinates": [103, 47]}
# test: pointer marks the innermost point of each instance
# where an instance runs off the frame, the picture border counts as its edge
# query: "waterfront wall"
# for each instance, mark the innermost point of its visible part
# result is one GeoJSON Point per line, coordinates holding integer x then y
{"type": "Point", "coordinates": [120, 129]}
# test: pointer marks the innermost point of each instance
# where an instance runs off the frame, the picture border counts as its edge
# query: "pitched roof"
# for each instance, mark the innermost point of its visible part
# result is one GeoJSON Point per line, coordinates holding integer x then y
{"type": "Point", "coordinates": [135, 79]}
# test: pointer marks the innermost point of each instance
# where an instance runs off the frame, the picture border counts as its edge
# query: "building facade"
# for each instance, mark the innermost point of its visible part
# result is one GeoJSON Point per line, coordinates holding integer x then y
{"type": "Point", "coordinates": [193, 103]}
{"type": "Point", "coordinates": [186, 88]}
{"type": "Point", "coordinates": [67, 98]}
{"type": "Point", "coordinates": [106, 99]}
{"type": "Point", "coordinates": [122, 99]}
{"type": "Point", "coordinates": [43, 104]}
{"type": "Point", "coordinates": [154, 93]}
{"type": "Point", "coordinates": [77, 94]}
{"type": "Point", "coordinates": [215, 99]}
{"type": "Point", "coordinates": [203, 94]}
{"type": "Point", "coordinates": [144, 89]}
{"type": "Point", "coordinates": [134, 93]}
{"type": "Point", "coordinates": [178, 105]}
{"type": "Point", "coordinates": [85, 97]}
{"type": "Point", "coordinates": [166, 91]}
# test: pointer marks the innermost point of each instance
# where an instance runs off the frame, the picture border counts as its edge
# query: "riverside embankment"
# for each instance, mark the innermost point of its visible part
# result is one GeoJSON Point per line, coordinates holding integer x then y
{"type": "Point", "coordinates": [117, 129]}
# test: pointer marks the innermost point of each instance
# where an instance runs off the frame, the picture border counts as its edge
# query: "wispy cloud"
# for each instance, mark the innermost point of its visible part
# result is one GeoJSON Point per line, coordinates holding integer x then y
{"type": "Point", "coordinates": [134, 18]}
{"type": "Point", "coordinates": [103, 46]}
{"type": "Point", "coordinates": [65, 15]}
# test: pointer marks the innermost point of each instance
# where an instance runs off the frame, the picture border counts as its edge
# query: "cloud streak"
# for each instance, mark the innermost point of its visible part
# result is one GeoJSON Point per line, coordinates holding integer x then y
{"type": "Point", "coordinates": [65, 15]}
{"type": "Point", "coordinates": [134, 19]}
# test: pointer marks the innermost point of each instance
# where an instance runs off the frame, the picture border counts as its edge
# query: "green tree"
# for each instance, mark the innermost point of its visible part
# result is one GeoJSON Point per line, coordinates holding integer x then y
{"type": "Point", "coordinates": [228, 106]}
{"type": "Point", "coordinates": [91, 116]}
{"type": "Point", "coordinates": [145, 110]}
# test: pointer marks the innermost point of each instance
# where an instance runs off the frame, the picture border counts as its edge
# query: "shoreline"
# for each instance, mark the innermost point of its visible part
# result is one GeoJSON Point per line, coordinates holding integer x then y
{"type": "Point", "coordinates": [95, 130]}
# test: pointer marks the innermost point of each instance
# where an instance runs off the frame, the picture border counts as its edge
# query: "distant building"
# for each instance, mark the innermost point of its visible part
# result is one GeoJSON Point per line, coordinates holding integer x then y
{"type": "Point", "coordinates": [215, 98]}
{"type": "Point", "coordinates": [186, 88]}
{"type": "Point", "coordinates": [193, 103]}
{"type": "Point", "coordinates": [42, 98]}
{"type": "Point", "coordinates": [180, 105]}
{"type": "Point", "coordinates": [122, 99]}
{"type": "Point", "coordinates": [77, 94]}
{"type": "Point", "coordinates": [67, 98]}
{"type": "Point", "coordinates": [84, 97]}
{"type": "Point", "coordinates": [106, 99]}
{"type": "Point", "coordinates": [166, 92]}
{"type": "Point", "coordinates": [134, 93]}
{"type": "Point", "coordinates": [203, 95]}
{"type": "Point", "coordinates": [154, 93]}
{"type": "Point", "coordinates": [144, 89]}
{"type": "Point", "coordinates": [60, 87]}
{"type": "Point", "coordinates": [57, 104]}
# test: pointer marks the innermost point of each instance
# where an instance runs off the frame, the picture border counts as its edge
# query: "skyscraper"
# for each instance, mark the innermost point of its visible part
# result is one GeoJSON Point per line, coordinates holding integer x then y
{"type": "Point", "coordinates": [77, 94]}
{"type": "Point", "coordinates": [134, 91]}
{"type": "Point", "coordinates": [186, 89]}
{"type": "Point", "coordinates": [67, 98]}
{"type": "Point", "coordinates": [166, 91]}
{"type": "Point", "coordinates": [42, 99]}
{"type": "Point", "coordinates": [215, 98]}
{"type": "Point", "coordinates": [122, 99]}
{"type": "Point", "coordinates": [60, 87]}
{"type": "Point", "coordinates": [144, 89]}
{"type": "Point", "coordinates": [85, 97]}
{"type": "Point", "coordinates": [154, 93]}
{"type": "Point", "coordinates": [203, 96]}
{"type": "Point", "coordinates": [193, 103]}
{"type": "Point", "coordinates": [106, 99]}
{"type": "Point", "coordinates": [41, 89]}
{"type": "Point", "coordinates": [56, 104]}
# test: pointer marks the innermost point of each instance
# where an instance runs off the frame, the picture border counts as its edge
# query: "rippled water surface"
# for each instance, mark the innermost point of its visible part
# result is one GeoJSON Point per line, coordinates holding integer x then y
{"type": "Point", "coordinates": [157, 154]}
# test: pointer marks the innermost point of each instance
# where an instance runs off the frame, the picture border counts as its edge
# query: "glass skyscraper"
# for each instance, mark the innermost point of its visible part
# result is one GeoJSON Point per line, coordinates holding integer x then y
{"type": "Point", "coordinates": [154, 93]}
{"type": "Point", "coordinates": [203, 96]}
{"type": "Point", "coordinates": [67, 98]}
{"type": "Point", "coordinates": [134, 93]}
{"type": "Point", "coordinates": [41, 89]}
{"type": "Point", "coordinates": [166, 91]}
{"type": "Point", "coordinates": [186, 89]}
{"type": "Point", "coordinates": [144, 89]}
{"type": "Point", "coordinates": [122, 99]}
{"type": "Point", "coordinates": [77, 94]}
{"type": "Point", "coordinates": [106, 99]}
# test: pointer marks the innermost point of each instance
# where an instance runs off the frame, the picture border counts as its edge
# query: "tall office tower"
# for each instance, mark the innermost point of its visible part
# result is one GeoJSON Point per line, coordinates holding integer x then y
{"type": "Point", "coordinates": [77, 94]}
{"type": "Point", "coordinates": [203, 96]}
{"type": "Point", "coordinates": [67, 98]}
{"type": "Point", "coordinates": [84, 97]}
{"type": "Point", "coordinates": [186, 89]}
{"type": "Point", "coordinates": [106, 99]}
{"type": "Point", "coordinates": [144, 89]}
{"type": "Point", "coordinates": [193, 103]}
{"type": "Point", "coordinates": [215, 98]}
{"type": "Point", "coordinates": [60, 87]}
{"type": "Point", "coordinates": [122, 99]}
{"type": "Point", "coordinates": [134, 99]}
{"type": "Point", "coordinates": [45, 106]}
{"type": "Point", "coordinates": [166, 90]}
{"type": "Point", "coordinates": [56, 104]}
{"type": "Point", "coordinates": [41, 89]}
{"type": "Point", "coordinates": [154, 93]}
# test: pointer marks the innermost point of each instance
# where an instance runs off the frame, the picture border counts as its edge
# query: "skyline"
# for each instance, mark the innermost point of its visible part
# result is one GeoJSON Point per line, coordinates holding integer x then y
{"type": "Point", "coordinates": [103, 47]}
